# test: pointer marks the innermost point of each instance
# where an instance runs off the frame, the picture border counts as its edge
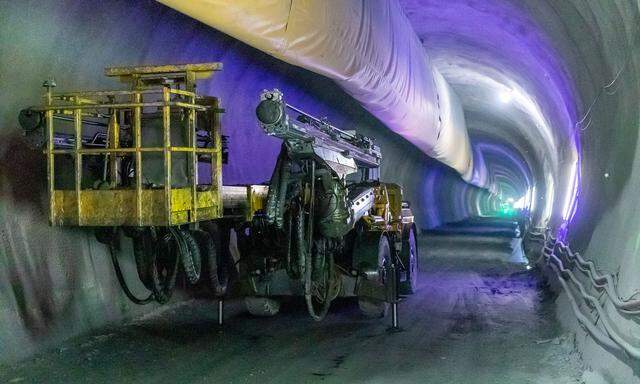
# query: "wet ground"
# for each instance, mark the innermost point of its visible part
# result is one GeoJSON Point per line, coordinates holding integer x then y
{"type": "Point", "coordinates": [480, 316]}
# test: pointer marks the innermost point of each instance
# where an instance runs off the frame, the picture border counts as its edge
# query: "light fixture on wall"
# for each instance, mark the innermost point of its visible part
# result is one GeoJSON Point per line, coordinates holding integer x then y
{"type": "Point", "coordinates": [505, 96]}
{"type": "Point", "coordinates": [572, 192]}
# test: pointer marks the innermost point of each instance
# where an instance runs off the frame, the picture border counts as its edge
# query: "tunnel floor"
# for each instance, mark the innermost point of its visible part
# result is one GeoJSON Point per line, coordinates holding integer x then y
{"type": "Point", "coordinates": [480, 316]}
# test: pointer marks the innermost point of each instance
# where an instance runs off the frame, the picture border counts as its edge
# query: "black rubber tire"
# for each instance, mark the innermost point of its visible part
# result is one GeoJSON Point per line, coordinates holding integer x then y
{"type": "Point", "coordinates": [213, 277]}
{"type": "Point", "coordinates": [411, 260]}
{"type": "Point", "coordinates": [373, 308]}
{"type": "Point", "coordinates": [190, 256]}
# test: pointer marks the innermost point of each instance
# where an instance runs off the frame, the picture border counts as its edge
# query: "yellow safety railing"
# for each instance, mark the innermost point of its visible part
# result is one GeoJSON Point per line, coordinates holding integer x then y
{"type": "Point", "coordinates": [140, 205]}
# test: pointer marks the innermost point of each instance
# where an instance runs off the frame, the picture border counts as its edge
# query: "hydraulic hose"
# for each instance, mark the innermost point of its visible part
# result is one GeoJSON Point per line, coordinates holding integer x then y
{"type": "Point", "coordinates": [274, 188]}
{"type": "Point", "coordinates": [189, 254]}
{"type": "Point", "coordinates": [214, 270]}
{"type": "Point", "coordinates": [285, 174]}
{"type": "Point", "coordinates": [309, 273]}
{"type": "Point", "coordinates": [291, 269]}
{"type": "Point", "coordinates": [140, 252]}
{"type": "Point", "coordinates": [278, 186]}
{"type": "Point", "coordinates": [163, 287]}
{"type": "Point", "coordinates": [300, 241]}
{"type": "Point", "coordinates": [123, 283]}
{"type": "Point", "coordinates": [146, 252]}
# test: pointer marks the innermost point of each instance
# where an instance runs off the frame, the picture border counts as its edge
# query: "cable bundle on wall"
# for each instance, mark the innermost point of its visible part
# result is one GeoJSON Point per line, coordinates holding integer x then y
{"type": "Point", "coordinates": [607, 335]}
{"type": "Point", "coordinates": [602, 282]}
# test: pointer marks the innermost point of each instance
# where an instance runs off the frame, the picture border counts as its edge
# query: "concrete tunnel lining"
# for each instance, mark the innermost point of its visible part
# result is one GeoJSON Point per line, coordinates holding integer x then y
{"type": "Point", "coordinates": [558, 54]}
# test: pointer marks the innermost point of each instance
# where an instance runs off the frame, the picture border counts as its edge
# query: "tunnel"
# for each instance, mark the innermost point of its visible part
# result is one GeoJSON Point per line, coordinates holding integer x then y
{"type": "Point", "coordinates": [510, 128]}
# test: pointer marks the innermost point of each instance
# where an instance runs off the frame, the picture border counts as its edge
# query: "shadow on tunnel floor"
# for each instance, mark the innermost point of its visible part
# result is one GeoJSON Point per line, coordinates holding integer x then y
{"type": "Point", "coordinates": [481, 238]}
{"type": "Point", "coordinates": [482, 226]}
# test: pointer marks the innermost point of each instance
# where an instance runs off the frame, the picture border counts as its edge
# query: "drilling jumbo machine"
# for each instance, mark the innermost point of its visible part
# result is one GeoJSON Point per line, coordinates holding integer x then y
{"type": "Point", "coordinates": [146, 162]}
{"type": "Point", "coordinates": [330, 228]}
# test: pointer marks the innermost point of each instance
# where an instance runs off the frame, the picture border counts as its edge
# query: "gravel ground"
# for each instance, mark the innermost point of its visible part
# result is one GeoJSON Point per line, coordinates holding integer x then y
{"type": "Point", "coordinates": [480, 316]}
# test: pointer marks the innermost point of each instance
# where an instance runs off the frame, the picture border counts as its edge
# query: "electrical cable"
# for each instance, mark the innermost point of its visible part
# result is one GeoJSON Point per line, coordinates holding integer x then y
{"type": "Point", "coordinates": [123, 283]}
{"type": "Point", "coordinates": [584, 321]}
{"type": "Point", "coordinates": [605, 88]}
{"type": "Point", "coordinates": [602, 314]}
{"type": "Point", "coordinates": [605, 282]}
{"type": "Point", "coordinates": [612, 339]}
{"type": "Point", "coordinates": [164, 284]}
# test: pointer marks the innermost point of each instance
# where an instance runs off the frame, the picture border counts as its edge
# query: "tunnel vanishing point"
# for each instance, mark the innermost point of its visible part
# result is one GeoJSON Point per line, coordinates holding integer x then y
{"type": "Point", "coordinates": [321, 151]}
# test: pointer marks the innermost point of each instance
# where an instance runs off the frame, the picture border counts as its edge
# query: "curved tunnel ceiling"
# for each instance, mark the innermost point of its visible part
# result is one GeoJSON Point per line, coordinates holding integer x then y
{"type": "Point", "coordinates": [508, 169]}
{"type": "Point", "coordinates": [513, 85]}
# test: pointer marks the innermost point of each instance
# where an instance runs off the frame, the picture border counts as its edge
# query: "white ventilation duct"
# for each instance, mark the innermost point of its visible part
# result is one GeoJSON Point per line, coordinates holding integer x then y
{"type": "Point", "coordinates": [369, 49]}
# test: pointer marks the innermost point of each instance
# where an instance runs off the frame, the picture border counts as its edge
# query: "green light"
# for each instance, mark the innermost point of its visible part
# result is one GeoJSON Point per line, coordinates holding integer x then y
{"type": "Point", "coordinates": [506, 209]}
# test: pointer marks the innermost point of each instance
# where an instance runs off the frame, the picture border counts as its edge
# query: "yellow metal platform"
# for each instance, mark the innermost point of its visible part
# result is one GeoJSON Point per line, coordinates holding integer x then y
{"type": "Point", "coordinates": [118, 207]}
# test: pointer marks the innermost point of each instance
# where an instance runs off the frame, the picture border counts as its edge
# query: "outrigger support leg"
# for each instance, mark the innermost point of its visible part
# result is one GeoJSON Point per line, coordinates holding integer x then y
{"type": "Point", "coordinates": [221, 311]}
{"type": "Point", "coordinates": [392, 295]}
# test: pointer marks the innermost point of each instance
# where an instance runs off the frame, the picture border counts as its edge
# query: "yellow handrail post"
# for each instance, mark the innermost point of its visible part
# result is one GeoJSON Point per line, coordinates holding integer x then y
{"type": "Point", "coordinates": [50, 147]}
{"type": "Point", "coordinates": [137, 142]}
{"type": "Point", "coordinates": [166, 126]}
{"type": "Point", "coordinates": [114, 143]}
{"type": "Point", "coordinates": [77, 123]}
{"type": "Point", "coordinates": [216, 157]}
{"type": "Point", "coordinates": [193, 143]}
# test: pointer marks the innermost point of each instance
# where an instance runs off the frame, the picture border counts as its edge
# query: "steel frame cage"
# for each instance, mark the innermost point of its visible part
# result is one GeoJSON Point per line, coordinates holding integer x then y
{"type": "Point", "coordinates": [139, 206]}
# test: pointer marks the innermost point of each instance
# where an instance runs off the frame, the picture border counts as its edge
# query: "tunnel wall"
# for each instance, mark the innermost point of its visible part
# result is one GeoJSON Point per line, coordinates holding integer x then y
{"type": "Point", "coordinates": [58, 282]}
{"type": "Point", "coordinates": [600, 41]}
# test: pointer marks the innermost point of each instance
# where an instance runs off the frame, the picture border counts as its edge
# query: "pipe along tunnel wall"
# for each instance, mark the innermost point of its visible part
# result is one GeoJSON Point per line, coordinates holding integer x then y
{"type": "Point", "coordinates": [58, 282]}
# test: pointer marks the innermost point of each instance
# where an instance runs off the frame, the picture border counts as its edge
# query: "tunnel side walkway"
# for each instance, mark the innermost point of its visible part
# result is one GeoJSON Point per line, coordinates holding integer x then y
{"type": "Point", "coordinates": [474, 320]}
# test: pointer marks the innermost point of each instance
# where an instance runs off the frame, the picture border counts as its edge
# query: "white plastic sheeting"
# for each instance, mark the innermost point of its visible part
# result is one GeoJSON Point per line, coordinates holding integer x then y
{"type": "Point", "coordinates": [369, 48]}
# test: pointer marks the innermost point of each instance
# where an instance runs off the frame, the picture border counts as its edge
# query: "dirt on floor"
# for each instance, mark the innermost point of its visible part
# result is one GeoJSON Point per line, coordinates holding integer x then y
{"type": "Point", "coordinates": [474, 320]}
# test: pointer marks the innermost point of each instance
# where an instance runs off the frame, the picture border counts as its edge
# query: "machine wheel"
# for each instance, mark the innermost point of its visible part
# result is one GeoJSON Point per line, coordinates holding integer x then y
{"type": "Point", "coordinates": [371, 307]}
{"type": "Point", "coordinates": [410, 260]}
{"type": "Point", "coordinates": [262, 306]}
